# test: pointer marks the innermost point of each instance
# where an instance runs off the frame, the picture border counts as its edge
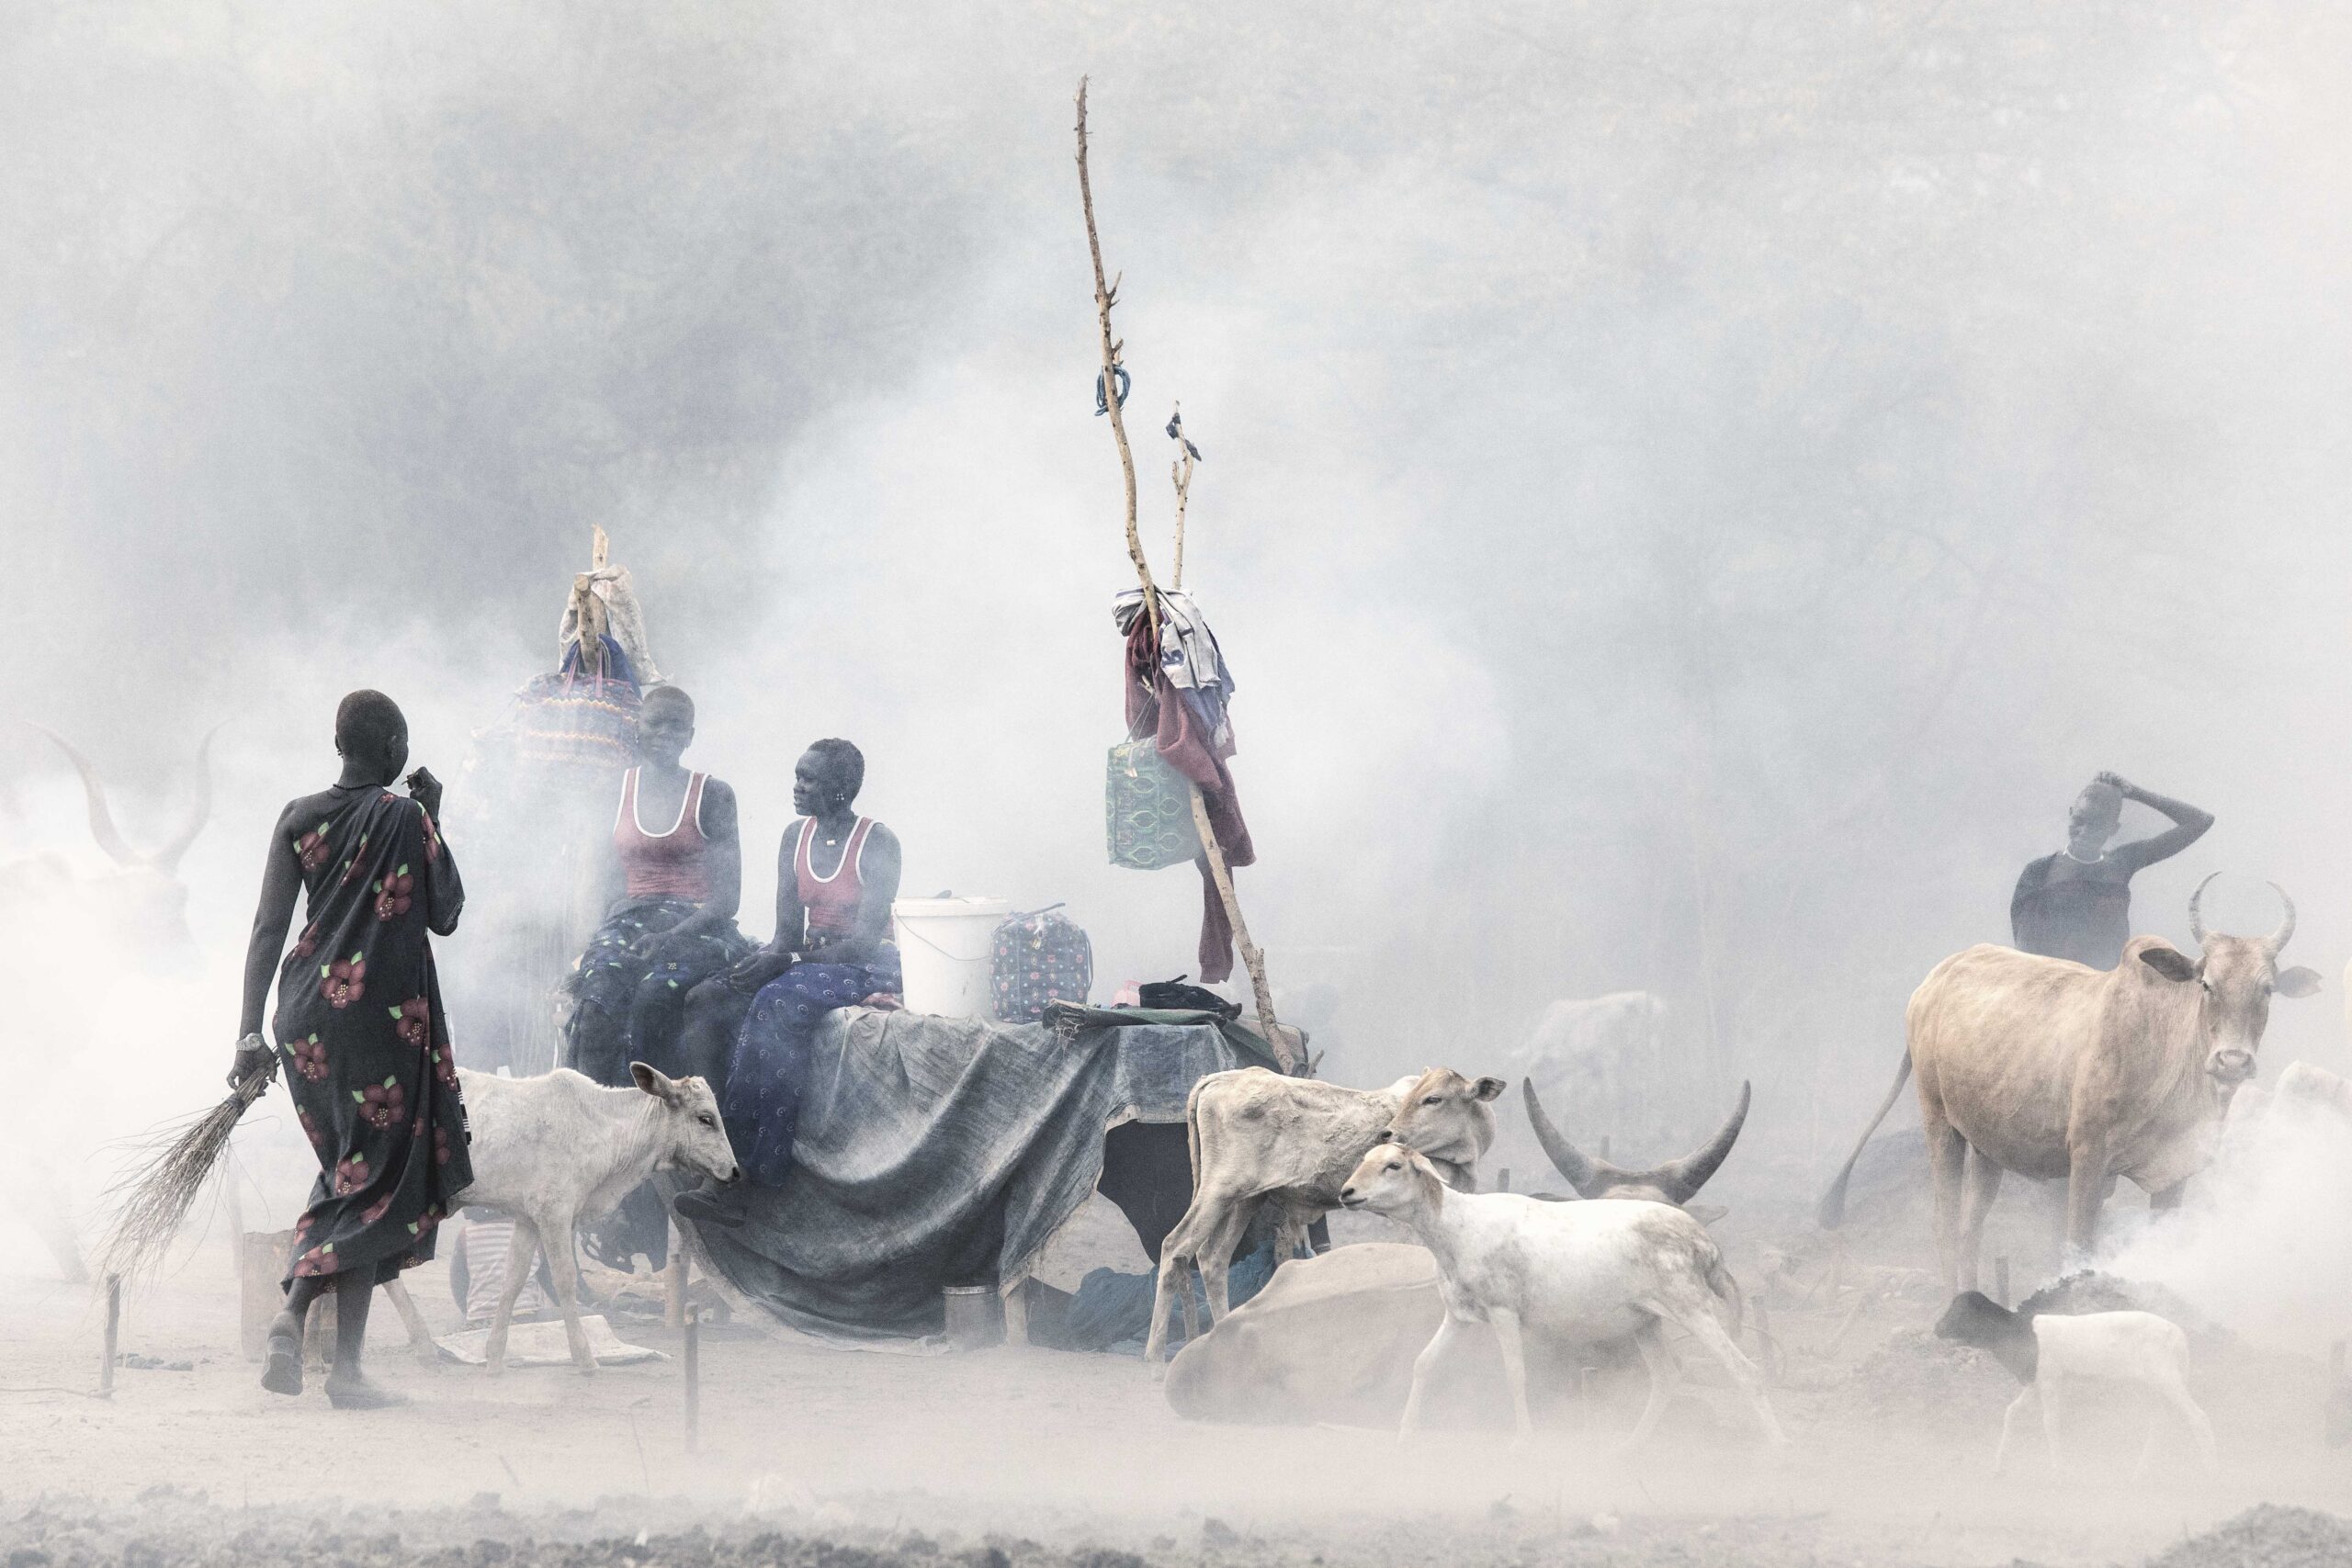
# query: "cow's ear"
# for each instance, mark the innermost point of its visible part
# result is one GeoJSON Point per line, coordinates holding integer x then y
{"type": "Point", "coordinates": [2297, 982]}
{"type": "Point", "coordinates": [653, 1083]}
{"type": "Point", "coordinates": [1706, 1213]}
{"type": "Point", "coordinates": [1487, 1089]}
{"type": "Point", "coordinates": [2172, 965]}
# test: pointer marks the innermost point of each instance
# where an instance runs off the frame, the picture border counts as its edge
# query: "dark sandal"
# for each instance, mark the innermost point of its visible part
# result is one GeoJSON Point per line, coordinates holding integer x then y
{"type": "Point", "coordinates": [281, 1372]}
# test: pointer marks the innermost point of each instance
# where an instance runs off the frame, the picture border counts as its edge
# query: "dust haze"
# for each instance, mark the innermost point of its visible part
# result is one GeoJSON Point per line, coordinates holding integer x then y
{"type": "Point", "coordinates": [1689, 493]}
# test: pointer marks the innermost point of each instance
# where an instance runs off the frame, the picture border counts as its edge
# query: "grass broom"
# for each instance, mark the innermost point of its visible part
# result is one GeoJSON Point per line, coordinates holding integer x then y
{"type": "Point", "coordinates": [151, 1199]}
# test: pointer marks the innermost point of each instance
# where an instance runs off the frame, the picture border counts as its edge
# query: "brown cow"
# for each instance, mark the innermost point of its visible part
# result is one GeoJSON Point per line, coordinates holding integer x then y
{"type": "Point", "coordinates": [2051, 1068]}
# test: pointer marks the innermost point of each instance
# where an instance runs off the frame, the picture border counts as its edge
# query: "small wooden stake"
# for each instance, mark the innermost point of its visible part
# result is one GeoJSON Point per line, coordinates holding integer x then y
{"type": "Point", "coordinates": [692, 1358]}
{"type": "Point", "coordinates": [1502, 1179]}
{"type": "Point", "coordinates": [675, 1274]}
{"type": "Point", "coordinates": [114, 1332]}
{"type": "Point", "coordinates": [2001, 1279]}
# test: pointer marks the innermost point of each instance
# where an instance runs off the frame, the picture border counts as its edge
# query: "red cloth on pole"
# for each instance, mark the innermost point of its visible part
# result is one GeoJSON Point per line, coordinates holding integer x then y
{"type": "Point", "coordinates": [1155, 707]}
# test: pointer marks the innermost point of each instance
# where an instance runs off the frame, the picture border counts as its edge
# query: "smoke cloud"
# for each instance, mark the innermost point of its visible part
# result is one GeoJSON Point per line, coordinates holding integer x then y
{"type": "Point", "coordinates": [1690, 494]}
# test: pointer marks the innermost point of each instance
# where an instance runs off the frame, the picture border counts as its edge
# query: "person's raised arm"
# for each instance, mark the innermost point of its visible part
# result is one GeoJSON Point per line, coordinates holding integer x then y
{"type": "Point", "coordinates": [444, 893]}
{"type": "Point", "coordinates": [878, 876]}
{"type": "Point", "coordinates": [2189, 824]}
{"type": "Point", "coordinates": [281, 884]}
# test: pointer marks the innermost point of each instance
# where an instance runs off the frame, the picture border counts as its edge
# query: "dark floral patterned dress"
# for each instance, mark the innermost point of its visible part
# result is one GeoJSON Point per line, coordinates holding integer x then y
{"type": "Point", "coordinates": [362, 1038]}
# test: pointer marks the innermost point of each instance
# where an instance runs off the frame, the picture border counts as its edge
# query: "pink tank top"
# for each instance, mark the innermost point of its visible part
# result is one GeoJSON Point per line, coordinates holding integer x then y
{"type": "Point", "coordinates": [671, 865]}
{"type": "Point", "coordinates": [831, 901]}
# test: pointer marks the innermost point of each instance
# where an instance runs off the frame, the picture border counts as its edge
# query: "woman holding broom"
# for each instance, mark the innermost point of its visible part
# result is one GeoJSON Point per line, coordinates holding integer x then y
{"type": "Point", "coordinates": [360, 1033]}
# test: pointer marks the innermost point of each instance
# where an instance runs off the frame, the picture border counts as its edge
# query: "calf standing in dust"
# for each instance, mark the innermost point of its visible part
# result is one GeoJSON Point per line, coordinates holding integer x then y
{"type": "Point", "coordinates": [1586, 1273]}
{"type": "Point", "coordinates": [1257, 1135]}
{"type": "Point", "coordinates": [2051, 1068]}
{"type": "Point", "coordinates": [555, 1149]}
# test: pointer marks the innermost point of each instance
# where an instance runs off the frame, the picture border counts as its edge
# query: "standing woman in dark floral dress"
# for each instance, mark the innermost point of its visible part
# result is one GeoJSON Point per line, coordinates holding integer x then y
{"type": "Point", "coordinates": [360, 1032]}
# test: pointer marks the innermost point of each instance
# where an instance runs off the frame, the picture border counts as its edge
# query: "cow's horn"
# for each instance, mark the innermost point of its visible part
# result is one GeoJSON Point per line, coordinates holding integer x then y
{"type": "Point", "coordinates": [199, 811]}
{"type": "Point", "coordinates": [1588, 1176]}
{"type": "Point", "coordinates": [1681, 1179]}
{"type": "Point", "coordinates": [2195, 911]}
{"type": "Point", "coordinates": [2280, 938]}
{"type": "Point", "coordinates": [94, 792]}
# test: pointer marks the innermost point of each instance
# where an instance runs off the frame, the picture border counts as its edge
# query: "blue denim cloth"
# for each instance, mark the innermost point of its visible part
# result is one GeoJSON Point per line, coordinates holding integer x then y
{"type": "Point", "coordinates": [770, 1067]}
{"type": "Point", "coordinates": [1112, 1311]}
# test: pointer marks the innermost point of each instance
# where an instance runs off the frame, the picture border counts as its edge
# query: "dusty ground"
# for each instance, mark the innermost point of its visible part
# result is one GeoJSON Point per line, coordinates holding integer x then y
{"type": "Point", "coordinates": [812, 1454]}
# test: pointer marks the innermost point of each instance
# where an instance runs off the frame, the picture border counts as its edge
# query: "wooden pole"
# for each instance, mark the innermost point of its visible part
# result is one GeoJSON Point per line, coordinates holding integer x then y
{"type": "Point", "coordinates": [114, 1330]}
{"type": "Point", "coordinates": [1106, 294]}
{"type": "Point", "coordinates": [693, 1366]}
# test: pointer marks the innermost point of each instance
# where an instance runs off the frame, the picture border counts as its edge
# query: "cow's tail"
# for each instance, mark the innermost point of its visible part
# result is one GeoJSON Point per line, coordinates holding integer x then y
{"type": "Point", "coordinates": [1832, 1213]}
{"type": "Point", "coordinates": [1193, 1130]}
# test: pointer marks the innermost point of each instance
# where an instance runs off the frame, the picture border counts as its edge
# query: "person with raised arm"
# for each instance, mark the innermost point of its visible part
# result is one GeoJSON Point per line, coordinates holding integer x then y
{"type": "Point", "coordinates": [2076, 903]}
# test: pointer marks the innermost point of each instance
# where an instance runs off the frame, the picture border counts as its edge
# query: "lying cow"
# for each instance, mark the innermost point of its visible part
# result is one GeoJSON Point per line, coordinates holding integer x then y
{"type": "Point", "coordinates": [1333, 1338]}
{"type": "Point", "coordinates": [2051, 1068]}
{"type": "Point", "coordinates": [1257, 1136]}
{"type": "Point", "coordinates": [557, 1149]}
{"type": "Point", "coordinates": [1578, 1273]}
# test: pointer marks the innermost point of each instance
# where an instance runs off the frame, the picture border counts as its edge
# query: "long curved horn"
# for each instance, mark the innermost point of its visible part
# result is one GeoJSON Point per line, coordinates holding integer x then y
{"type": "Point", "coordinates": [2196, 914]}
{"type": "Point", "coordinates": [2280, 938]}
{"type": "Point", "coordinates": [1588, 1176]}
{"type": "Point", "coordinates": [199, 811]}
{"type": "Point", "coordinates": [94, 792]}
{"type": "Point", "coordinates": [1680, 1179]}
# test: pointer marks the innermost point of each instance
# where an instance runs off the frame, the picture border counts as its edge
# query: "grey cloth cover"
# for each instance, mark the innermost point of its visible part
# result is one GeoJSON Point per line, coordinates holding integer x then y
{"type": "Point", "coordinates": [945, 1151]}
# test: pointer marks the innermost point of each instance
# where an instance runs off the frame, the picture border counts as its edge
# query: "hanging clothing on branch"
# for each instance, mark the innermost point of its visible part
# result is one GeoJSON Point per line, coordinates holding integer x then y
{"type": "Point", "coordinates": [1180, 702]}
{"type": "Point", "coordinates": [1189, 657]}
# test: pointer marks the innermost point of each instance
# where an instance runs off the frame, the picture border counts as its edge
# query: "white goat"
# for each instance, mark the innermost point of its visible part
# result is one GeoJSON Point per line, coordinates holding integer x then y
{"type": "Point", "coordinates": [557, 1149]}
{"type": "Point", "coordinates": [2051, 1354]}
{"type": "Point", "coordinates": [1583, 1273]}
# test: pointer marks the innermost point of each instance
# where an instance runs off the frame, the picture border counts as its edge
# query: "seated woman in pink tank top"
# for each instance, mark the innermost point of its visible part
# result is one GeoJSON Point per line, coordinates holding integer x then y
{"type": "Point", "coordinates": [837, 874]}
{"type": "Point", "coordinates": [673, 881]}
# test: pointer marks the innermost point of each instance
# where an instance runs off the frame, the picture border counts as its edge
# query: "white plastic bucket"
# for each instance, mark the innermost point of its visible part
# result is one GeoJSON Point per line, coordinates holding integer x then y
{"type": "Point", "coordinates": [947, 952]}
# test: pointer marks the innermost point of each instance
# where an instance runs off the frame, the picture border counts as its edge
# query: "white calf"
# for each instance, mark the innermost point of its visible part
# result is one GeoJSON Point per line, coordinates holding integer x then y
{"type": "Point", "coordinates": [1582, 1273]}
{"type": "Point", "coordinates": [555, 1149]}
{"type": "Point", "coordinates": [2051, 1354]}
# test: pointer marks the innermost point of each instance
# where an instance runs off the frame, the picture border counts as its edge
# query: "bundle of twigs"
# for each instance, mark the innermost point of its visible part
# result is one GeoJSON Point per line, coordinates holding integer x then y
{"type": "Point", "coordinates": [151, 1199]}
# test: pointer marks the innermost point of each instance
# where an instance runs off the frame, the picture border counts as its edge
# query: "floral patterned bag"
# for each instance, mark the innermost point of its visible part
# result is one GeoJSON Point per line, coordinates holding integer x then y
{"type": "Point", "coordinates": [1040, 957]}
